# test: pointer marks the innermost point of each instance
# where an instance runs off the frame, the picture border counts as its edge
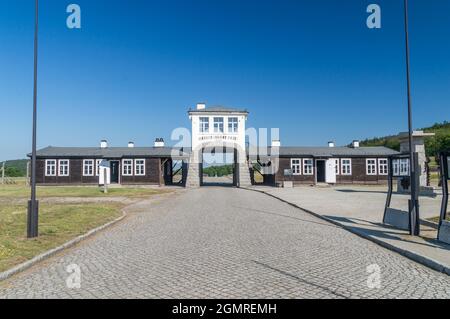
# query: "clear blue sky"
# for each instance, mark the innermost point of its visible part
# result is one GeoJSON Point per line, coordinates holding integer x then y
{"type": "Point", "coordinates": [311, 68]}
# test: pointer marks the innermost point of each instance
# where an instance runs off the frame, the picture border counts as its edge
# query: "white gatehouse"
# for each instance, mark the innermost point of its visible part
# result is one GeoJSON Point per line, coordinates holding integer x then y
{"type": "Point", "coordinates": [222, 130]}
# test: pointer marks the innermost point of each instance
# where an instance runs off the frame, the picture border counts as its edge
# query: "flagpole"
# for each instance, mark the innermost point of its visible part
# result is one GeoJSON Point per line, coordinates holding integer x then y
{"type": "Point", "coordinates": [33, 205]}
{"type": "Point", "coordinates": [415, 223]}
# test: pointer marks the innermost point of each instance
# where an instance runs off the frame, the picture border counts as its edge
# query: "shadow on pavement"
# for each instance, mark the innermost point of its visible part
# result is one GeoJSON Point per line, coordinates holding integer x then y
{"type": "Point", "coordinates": [286, 216]}
{"type": "Point", "coordinates": [300, 279]}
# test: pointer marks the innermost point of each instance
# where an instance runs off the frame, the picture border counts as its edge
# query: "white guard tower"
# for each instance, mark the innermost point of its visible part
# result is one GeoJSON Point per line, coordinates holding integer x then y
{"type": "Point", "coordinates": [219, 129]}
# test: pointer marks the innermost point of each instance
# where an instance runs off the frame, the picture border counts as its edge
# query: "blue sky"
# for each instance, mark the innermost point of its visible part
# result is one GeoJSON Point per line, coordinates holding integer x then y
{"type": "Point", "coordinates": [311, 68]}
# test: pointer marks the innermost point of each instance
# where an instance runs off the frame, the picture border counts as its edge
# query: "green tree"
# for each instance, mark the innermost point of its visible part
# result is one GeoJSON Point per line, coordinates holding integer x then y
{"type": "Point", "coordinates": [13, 172]}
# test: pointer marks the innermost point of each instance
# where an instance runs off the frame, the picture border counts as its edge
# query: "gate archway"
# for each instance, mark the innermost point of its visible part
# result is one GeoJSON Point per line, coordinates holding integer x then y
{"type": "Point", "coordinates": [219, 167]}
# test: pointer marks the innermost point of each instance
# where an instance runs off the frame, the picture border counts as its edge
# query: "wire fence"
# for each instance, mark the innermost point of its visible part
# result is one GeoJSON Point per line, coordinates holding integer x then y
{"type": "Point", "coordinates": [8, 179]}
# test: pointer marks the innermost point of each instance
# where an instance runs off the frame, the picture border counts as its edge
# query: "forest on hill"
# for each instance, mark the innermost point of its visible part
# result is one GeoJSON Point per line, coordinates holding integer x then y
{"type": "Point", "coordinates": [15, 168]}
{"type": "Point", "coordinates": [434, 145]}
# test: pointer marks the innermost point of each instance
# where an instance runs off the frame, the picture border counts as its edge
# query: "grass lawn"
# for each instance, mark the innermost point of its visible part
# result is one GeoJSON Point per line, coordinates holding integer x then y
{"type": "Point", "coordinates": [258, 177]}
{"type": "Point", "coordinates": [433, 162]}
{"type": "Point", "coordinates": [22, 191]}
{"type": "Point", "coordinates": [58, 223]}
{"type": "Point", "coordinates": [436, 219]}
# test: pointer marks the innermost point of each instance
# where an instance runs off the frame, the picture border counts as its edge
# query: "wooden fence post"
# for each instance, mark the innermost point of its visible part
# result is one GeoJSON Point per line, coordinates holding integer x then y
{"type": "Point", "coordinates": [28, 174]}
{"type": "Point", "coordinates": [3, 173]}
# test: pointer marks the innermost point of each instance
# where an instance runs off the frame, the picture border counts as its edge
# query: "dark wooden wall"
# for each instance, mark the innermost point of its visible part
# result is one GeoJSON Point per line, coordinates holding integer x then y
{"type": "Point", "coordinates": [153, 174]}
{"type": "Point", "coordinates": [285, 163]}
{"type": "Point", "coordinates": [358, 176]}
{"type": "Point", "coordinates": [75, 175]}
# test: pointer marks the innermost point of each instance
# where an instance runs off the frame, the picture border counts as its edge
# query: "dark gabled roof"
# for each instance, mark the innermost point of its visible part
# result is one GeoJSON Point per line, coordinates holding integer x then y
{"type": "Point", "coordinates": [112, 152]}
{"type": "Point", "coordinates": [218, 109]}
{"type": "Point", "coordinates": [286, 151]}
{"type": "Point", "coordinates": [176, 152]}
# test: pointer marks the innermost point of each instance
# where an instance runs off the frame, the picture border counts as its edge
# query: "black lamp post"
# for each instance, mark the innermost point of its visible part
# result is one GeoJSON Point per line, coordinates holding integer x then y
{"type": "Point", "coordinates": [414, 209]}
{"type": "Point", "coordinates": [33, 204]}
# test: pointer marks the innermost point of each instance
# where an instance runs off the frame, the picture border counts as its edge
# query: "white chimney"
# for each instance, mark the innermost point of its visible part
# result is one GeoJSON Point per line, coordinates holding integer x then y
{"type": "Point", "coordinates": [159, 142]}
{"type": "Point", "coordinates": [131, 144]}
{"type": "Point", "coordinates": [276, 143]}
{"type": "Point", "coordinates": [355, 144]}
{"type": "Point", "coordinates": [103, 144]}
{"type": "Point", "coordinates": [201, 106]}
{"type": "Point", "coordinates": [331, 144]}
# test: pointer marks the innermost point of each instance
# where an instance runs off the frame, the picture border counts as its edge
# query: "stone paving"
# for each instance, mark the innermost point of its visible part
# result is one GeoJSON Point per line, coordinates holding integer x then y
{"type": "Point", "coordinates": [360, 208]}
{"type": "Point", "coordinates": [226, 243]}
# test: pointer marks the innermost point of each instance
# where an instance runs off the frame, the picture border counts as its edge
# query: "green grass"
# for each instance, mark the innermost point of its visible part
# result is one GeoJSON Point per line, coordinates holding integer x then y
{"type": "Point", "coordinates": [57, 225]}
{"type": "Point", "coordinates": [433, 163]}
{"type": "Point", "coordinates": [22, 191]}
{"type": "Point", "coordinates": [258, 177]}
{"type": "Point", "coordinates": [58, 222]}
{"type": "Point", "coordinates": [436, 219]}
{"type": "Point", "coordinates": [434, 176]}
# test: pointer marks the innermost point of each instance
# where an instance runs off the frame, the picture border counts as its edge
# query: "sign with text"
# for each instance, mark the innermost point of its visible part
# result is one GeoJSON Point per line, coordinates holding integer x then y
{"type": "Point", "coordinates": [288, 172]}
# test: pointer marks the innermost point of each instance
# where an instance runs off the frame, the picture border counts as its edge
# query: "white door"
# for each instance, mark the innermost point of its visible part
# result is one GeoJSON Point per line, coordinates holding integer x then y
{"type": "Point", "coordinates": [104, 169]}
{"type": "Point", "coordinates": [330, 174]}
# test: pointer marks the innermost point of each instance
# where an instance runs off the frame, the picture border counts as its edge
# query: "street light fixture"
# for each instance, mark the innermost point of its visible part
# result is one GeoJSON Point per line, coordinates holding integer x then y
{"type": "Point", "coordinates": [33, 204]}
{"type": "Point", "coordinates": [414, 205]}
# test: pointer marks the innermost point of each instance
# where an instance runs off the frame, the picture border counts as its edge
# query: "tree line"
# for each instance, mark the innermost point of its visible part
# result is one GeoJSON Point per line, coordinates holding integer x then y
{"type": "Point", "coordinates": [218, 171]}
{"type": "Point", "coordinates": [434, 145]}
{"type": "Point", "coordinates": [16, 168]}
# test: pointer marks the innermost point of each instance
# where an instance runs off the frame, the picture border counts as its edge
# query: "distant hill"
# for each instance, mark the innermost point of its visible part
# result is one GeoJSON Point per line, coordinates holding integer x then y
{"type": "Point", "coordinates": [434, 145]}
{"type": "Point", "coordinates": [15, 168]}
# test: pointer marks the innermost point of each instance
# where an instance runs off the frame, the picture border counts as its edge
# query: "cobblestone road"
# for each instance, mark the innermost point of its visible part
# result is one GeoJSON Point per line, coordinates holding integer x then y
{"type": "Point", "coordinates": [226, 243]}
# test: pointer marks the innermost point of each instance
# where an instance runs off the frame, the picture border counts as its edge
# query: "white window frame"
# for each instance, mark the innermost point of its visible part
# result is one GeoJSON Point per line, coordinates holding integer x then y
{"type": "Point", "coordinates": [404, 167]}
{"type": "Point", "coordinates": [204, 126]}
{"type": "Point", "coordinates": [130, 165]}
{"type": "Point", "coordinates": [298, 165]}
{"type": "Point", "coordinates": [349, 165]}
{"type": "Point", "coordinates": [92, 165]}
{"type": "Point", "coordinates": [67, 165]}
{"type": "Point", "coordinates": [136, 167]}
{"type": "Point", "coordinates": [233, 126]}
{"type": "Point", "coordinates": [54, 165]}
{"type": "Point", "coordinates": [338, 167]}
{"type": "Point", "coordinates": [383, 172]}
{"type": "Point", "coordinates": [396, 167]}
{"type": "Point", "coordinates": [371, 167]}
{"type": "Point", "coordinates": [308, 169]}
{"type": "Point", "coordinates": [219, 125]}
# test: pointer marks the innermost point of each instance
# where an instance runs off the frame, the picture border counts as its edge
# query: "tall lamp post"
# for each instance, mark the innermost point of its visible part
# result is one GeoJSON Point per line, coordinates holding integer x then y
{"type": "Point", "coordinates": [33, 204]}
{"type": "Point", "coordinates": [414, 209]}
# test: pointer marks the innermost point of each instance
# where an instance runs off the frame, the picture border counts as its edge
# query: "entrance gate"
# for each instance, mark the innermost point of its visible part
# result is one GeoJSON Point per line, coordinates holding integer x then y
{"type": "Point", "coordinates": [217, 127]}
{"type": "Point", "coordinates": [216, 168]}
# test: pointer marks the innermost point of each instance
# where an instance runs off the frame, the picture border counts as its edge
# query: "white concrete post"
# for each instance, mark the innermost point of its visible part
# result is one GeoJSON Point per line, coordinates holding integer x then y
{"type": "Point", "coordinates": [28, 173]}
